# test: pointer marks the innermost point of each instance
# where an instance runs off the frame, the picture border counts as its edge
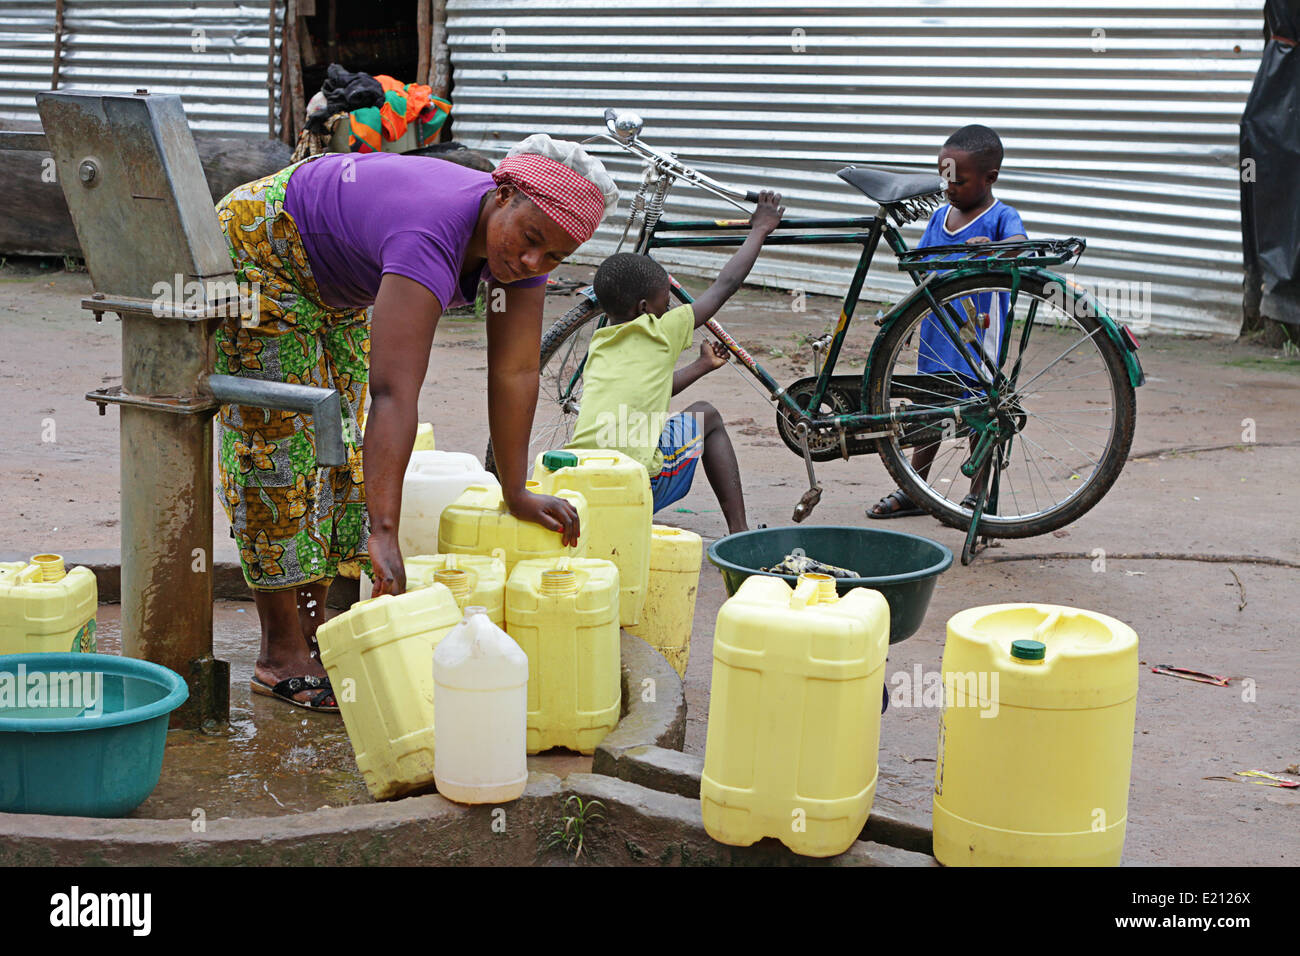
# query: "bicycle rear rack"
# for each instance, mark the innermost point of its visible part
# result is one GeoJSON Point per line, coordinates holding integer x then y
{"type": "Point", "coordinates": [992, 255]}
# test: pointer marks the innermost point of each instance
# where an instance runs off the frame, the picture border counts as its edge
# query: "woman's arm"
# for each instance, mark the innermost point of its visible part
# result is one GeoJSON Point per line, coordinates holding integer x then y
{"type": "Point", "coordinates": [401, 335]}
{"type": "Point", "coordinates": [514, 334]}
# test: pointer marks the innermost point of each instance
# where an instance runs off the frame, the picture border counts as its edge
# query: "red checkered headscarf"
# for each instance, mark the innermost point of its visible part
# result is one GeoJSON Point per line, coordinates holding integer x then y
{"type": "Point", "coordinates": [571, 187]}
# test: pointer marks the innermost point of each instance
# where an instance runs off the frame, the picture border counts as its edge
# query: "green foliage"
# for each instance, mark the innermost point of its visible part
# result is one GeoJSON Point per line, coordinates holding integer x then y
{"type": "Point", "coordinates": [1286, 360]}
{"type": "Point", "coordinates": [573, 835]}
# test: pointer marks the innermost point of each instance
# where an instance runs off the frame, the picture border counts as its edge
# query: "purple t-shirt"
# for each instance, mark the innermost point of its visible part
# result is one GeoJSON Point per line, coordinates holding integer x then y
{"type": "Point", "coordinates": [363, 215]}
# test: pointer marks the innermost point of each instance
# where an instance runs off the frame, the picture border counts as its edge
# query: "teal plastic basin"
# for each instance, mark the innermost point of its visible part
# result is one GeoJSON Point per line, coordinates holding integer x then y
{"type": "Point", "coordinates": [82, 734]}
{"type": "Point", "coordinates": [903, 567]}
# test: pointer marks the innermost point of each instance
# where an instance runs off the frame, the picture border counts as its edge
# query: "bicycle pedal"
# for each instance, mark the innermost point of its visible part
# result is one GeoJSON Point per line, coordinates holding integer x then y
{"type": "Point", "coordinates": [806, 504]}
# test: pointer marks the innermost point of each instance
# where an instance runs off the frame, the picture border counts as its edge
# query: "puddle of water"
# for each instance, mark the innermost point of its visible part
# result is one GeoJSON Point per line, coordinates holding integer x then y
{"type": "Point", "coordinates": [272, 758]}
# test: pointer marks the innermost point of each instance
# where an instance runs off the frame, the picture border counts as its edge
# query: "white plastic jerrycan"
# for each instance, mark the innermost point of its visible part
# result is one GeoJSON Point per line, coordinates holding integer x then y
{"type": "Point", "coordinates": [480, 702]}
{"type": "Point", "coordinates": [433, 480]}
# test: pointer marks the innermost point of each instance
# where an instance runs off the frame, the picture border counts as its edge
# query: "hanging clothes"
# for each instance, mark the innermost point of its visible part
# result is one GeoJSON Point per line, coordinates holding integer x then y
{"type": "Point", "coordinates": [404, 104]}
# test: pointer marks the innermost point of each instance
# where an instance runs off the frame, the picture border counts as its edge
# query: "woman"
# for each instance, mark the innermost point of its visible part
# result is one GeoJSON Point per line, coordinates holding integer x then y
{"type": "Point", "coordinates": [321, 241]}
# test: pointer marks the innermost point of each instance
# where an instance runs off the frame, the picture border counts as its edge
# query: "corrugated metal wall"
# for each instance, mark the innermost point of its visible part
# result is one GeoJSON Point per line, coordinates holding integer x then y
{"type": "Point", "coordinates": [212, 52]}
{"type": "Point", "coordinates": [26, 56]}
{"type": "Point", "coordinates": [1119, 117]}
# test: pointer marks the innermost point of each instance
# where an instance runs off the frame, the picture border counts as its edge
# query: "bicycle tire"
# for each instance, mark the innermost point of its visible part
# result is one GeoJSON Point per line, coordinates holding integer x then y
{"type": "Point", "coordinates": [554, 337]}
{"type": "Point", "coordinates": [937, 504]}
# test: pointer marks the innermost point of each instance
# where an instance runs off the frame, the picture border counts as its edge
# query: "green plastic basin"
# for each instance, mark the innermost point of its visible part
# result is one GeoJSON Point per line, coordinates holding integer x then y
{"type": "Point", "coordinates": [82, 734]}
{"type": "Point", "coordinates": [902, 567]}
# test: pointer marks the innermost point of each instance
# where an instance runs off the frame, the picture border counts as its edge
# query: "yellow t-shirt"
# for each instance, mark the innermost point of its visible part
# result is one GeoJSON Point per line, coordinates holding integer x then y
{"type": "Point", "coordinates": [627, 382]}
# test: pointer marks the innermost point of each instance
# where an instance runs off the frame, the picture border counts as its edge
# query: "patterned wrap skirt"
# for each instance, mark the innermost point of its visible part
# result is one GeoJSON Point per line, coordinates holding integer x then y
{"type": "Point", "coordinates": [294, 522]}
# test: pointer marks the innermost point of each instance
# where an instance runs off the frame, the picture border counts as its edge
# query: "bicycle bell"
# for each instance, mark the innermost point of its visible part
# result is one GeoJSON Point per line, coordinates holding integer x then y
{"type": "Point", "coordinates": [624, 126]}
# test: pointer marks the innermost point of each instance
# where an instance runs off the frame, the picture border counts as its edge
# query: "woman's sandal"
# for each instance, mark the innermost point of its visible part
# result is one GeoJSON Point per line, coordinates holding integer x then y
{"type": "Point", "coordinates": [899, 505]}
{"type": "Point", "coordinates": [293, 685]}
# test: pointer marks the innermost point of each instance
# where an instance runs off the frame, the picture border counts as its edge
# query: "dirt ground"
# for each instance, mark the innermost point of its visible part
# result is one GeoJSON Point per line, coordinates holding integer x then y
{"type": "Point", "coordinates": [1193, 487]}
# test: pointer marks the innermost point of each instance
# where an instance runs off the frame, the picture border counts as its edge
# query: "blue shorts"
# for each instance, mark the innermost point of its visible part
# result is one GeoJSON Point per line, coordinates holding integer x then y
{"type": "Point", "coordinates": [681, 444]}
{"type": "Point", "coordinates": [937, 355]}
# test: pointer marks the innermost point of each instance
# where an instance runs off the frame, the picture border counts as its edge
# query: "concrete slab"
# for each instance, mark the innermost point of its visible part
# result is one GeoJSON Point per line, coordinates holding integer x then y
{"type": "Point", "coordinates": [1212, 472]}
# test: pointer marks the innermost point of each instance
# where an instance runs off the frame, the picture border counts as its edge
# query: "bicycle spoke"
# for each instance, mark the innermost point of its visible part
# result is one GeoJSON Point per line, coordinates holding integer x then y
{"type": "Point", "coordinates": [1030, 475]}
{"type": "Point", "coordinates": [955, 456]}
{"type": "Point", "coordinates": [1069, 472]}
{"type": "Point", "coordinates": [1024, 341]}
{"type": "Point", "coordinates": [1077, 424]}
{"type": "Point", "coordinates": [1063, 435]}
{"type": "Point", "coordinates": [1061, 415]}
{"type": "Point", "coordinates": [1070, 379]}
{"type": "Point", "coordinates": [1086, 338]}
{"type": "Point", "coordinates": [1037, 469]}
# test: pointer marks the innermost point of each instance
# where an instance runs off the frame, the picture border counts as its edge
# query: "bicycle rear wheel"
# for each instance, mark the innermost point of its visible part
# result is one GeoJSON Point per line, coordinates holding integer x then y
{"type": "Point", "coordinates": [563, 353]}
{"type": "Point", "coordinates": [1066, 424]}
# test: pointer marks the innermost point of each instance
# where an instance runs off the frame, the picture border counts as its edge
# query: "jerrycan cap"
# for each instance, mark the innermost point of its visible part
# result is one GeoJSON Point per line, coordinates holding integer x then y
{"type": "Point", "coordinates": [1028, 650]}
{"type": "Point", "coordinates": [555, 460]}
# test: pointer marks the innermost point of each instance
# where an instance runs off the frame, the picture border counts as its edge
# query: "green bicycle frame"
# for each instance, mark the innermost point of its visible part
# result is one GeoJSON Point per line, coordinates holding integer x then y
{"type": "Point", "coordinates": [867, 231]}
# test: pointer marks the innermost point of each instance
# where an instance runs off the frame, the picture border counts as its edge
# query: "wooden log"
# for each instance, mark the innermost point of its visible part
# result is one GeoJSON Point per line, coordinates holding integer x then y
{"type": "Point", "coordinates": [34, 217]}
{"type": "Point", "coordinates": [293, 76]}
{"type": "Point", "coordinates": [270, 69]}
{"type": "Point", "coordinates": [440, 72]}
{"type": "Point", "coordinates": [424, 37]}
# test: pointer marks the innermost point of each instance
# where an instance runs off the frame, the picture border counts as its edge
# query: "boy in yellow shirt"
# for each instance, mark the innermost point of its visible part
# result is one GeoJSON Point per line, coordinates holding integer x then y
{"type": "Point", "coordinates": [629, 376]}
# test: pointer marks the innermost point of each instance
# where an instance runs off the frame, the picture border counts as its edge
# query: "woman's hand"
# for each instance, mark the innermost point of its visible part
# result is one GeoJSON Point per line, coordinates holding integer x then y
{"type": "Point", "coordinates": [554, 514]}
{"type": "Point", "coordinates": [387, 570]}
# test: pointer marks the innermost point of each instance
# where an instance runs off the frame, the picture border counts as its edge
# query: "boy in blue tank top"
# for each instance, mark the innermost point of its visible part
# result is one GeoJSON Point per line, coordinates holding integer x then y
{"type": "Point", "coordinates": [969, 163]}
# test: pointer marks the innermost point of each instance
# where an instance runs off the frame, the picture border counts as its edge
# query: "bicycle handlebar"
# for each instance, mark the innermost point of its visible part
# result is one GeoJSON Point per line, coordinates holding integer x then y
{"type": "Point", "coordinates": [676, 168]}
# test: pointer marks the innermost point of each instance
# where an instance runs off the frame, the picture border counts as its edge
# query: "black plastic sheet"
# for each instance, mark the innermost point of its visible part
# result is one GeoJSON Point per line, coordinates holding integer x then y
{"type": "Point", "coordinates": [1270, 157]}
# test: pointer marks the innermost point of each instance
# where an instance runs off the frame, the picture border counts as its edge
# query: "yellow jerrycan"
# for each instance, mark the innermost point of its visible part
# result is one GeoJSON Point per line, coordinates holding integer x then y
{"type": "Point", "coordinates": [423, 437]}
{"type": "Point", "coordinates": [46, 609]}
{"type": "Point", "coordinates": [669, 612]}
{"type": "Point", "coordinates": [480, 676]}
{"type": "Point", "coordinates": [379, 658]}
{"type": "Point", "coordinates": [619, 504]}
{"type": "Point", "coordinates": [473, 579]}
{"type": "Point", "coordinates": [1036, 737]}
{"type": "Point", "coordinates": [794, 714]}
{"type": "Point", "coordinates": [564, 613]}
{"type": "Point", "coordinates": [478, 522]}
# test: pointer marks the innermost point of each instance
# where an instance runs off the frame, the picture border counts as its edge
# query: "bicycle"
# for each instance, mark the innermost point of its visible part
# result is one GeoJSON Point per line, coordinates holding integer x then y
{"type": "Point", "coordinates": [975, 420]}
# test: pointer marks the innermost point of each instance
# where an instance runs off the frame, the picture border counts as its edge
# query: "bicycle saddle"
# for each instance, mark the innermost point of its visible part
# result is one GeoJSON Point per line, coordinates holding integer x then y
{"type": "Point", "coordinates": [885, 187]}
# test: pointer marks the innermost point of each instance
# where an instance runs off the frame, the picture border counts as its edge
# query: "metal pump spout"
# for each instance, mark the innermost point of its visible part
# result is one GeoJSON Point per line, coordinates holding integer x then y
{"type": "Point", "coordinates": [324, 405]}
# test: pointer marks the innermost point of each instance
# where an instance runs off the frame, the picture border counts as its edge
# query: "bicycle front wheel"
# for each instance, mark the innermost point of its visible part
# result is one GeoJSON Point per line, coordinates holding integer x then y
{"type": "Point", "coordinates": [559, 393]}
{"type": "Point", "coordinates": [1066, 410]}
